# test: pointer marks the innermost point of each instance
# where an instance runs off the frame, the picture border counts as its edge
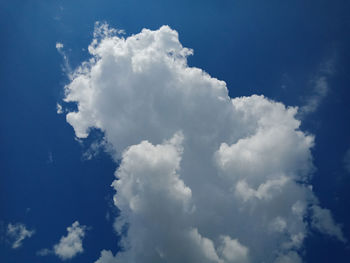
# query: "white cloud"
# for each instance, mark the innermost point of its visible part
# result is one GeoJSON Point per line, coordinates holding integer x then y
{"type": "Point", "coordinates": [59, 108]}
{"type": "Point", "coordinates": [202, 177]}
{"type": "Point", "coordinates": [232, 251]}
{"type": "Point", "coordinates": [68, 246]}
{"type": "Point", "coordinates": [320, 87]}
{"type": "Point", "coordinates": [17, 233]}
{"type": "Point", "coordinates": [65, 67]}
{"type": "Point", "coordinates": [291, 257]}
{"type": "Point", "coordinates": [72, 244]}
{"type": "Point", "coordinates": [320, 91]}
{"type": "Point", "coordinates": [94, 149]}
{"type": "Point", "coordinates": [264, 191]}
{"type": "Point", "coordinates": [323, 221]}
{"type": "Point", "coordinates": [106, 257]}
{"type": "Point", "coordinates": [44, 252]}
{"type": "Point", "coordinates": [59, 45]}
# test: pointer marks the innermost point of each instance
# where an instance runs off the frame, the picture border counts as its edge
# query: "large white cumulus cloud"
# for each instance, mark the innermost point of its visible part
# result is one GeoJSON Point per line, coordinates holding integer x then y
{"type": "Point", "coordinates": [202, 177]}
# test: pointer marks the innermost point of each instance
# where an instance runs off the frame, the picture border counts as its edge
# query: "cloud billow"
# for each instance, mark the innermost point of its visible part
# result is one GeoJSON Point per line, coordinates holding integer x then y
{"type": "Point", "coordinates": [202, 177]}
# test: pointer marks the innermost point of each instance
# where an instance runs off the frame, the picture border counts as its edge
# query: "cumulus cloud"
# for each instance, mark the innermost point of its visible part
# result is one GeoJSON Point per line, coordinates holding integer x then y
{"type": "Point", "coordinates": [68, 246]}
{"type": "Point", "coordinates": [17, 233]}
{"type": "Point", "coordinates": [202, 177]}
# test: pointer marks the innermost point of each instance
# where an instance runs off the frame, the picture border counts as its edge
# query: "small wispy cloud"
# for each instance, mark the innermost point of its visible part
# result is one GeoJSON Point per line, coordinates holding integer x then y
{"type": "Point", "coordinates": [95, 149]}
{"type": "Point", "coordinates": [50, 158]}
{"type": "Point", "coordinates": [68, 246]}
{"type": "Point", "coordinates": [17, 233]}
{"type": "Point", "coordinates": [66, 66]}
{"type": "Point", "coordinates": [59, 45]}
{"type": "Point", "coordinates": [322, 220]}
{"type": "Point", "coordinates": [320, 91]}
{"type": "Point", "coordinates": [44, 252]}
{"type": "Point", "coordinates": [59, 108]}
{"type": "Point", "coordinates": [320, 87]}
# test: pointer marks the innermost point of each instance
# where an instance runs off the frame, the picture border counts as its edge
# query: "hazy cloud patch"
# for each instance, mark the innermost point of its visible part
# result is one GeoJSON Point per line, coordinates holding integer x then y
{"type": "Point", "coordinates": [16, 233]}
{"type": "Point", "coordinates": [320, 87]}
{"type": "Point", "coordinates": [322, 220]}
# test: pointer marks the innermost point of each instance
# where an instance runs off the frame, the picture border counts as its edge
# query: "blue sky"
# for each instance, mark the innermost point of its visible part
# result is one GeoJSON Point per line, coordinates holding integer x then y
{"type": "Point", "coordinates": [287, 51]}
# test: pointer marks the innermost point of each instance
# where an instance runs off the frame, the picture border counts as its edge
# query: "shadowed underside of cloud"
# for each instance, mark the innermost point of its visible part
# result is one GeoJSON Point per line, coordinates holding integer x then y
{"type": "Point", "coordinates": [202, 177]}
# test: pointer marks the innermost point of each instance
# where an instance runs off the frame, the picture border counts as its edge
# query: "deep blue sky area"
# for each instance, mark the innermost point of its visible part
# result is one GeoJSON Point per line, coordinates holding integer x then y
{"type": "Point", "coordinates": [275, 48]}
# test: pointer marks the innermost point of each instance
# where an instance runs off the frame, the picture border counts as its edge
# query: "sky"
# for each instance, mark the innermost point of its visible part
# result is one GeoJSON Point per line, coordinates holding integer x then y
{"type": "Point", "coordinates": [174, 131]}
